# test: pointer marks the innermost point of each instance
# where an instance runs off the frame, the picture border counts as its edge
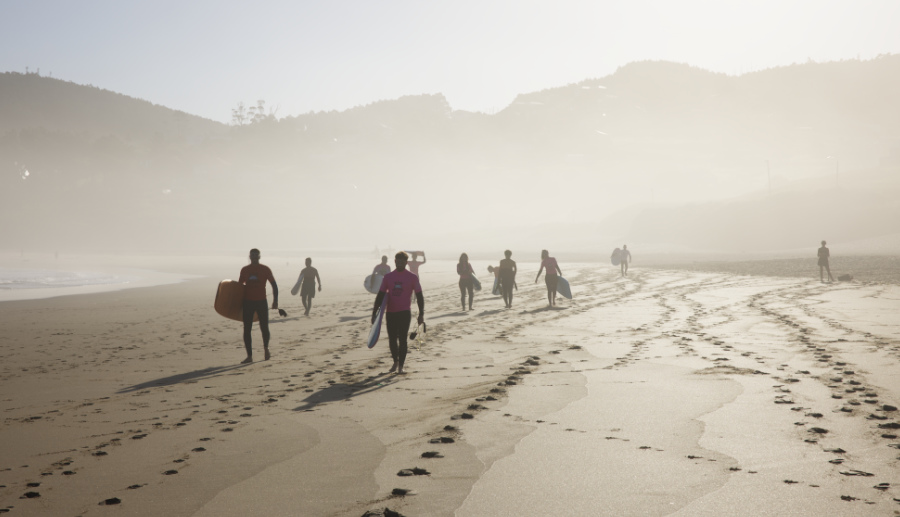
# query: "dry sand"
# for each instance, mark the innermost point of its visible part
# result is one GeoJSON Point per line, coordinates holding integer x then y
{"type": "Point", "coordinates": [666, 393]}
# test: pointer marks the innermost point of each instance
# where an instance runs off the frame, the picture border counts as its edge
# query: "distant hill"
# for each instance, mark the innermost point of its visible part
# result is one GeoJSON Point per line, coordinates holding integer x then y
{"type": "Point", "coordinates": [30, 102]}
{"type": "Point", "coordinates": [79, 164]}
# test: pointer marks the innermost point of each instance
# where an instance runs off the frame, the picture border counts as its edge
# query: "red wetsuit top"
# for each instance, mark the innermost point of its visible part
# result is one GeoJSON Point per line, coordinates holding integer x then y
{"type": "Point", "coordinates": [254, 277]}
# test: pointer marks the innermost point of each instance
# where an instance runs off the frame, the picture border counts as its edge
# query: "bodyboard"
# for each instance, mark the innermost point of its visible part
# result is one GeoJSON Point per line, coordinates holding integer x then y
{"type": "Point", "coordinates": [296, 288]}
{"type": "Point", "coordinates": [230, 300]}
{"type": "Point", "coordinates": [375, 331]}
{"type": "Point", "coordinates": [372, 283]}
{"type": "Point", "coordinates": [563, 288]}
{"type": "Point", "coordinates": [616, 257]}
{"type": "Point", "coordinates": [476, 283]}
{"type": "Point", "coordinates": [496, 290]}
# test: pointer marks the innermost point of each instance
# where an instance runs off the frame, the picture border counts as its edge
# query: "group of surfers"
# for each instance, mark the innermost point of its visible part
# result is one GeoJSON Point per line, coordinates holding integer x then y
{"type": "Point", "coordinates": [399, 286]}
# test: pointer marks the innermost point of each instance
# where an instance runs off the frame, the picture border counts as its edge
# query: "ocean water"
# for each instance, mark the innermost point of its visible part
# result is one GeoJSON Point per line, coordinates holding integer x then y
{"type": "Point", "coordinates": [14, 279]}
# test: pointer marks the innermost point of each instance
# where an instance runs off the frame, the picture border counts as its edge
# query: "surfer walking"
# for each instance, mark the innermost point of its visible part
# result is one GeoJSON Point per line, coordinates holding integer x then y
{"type": "Point", "coordinates": [414, 264]}
{"type": "Point", "coordinates": [466, 281]}
{"type": "Point", "coordinates": [552, 276]}
{"type": "Point", "coordinates": [398, 286]}
{"type": "Point", "coordinates": [508, 278]}
{"type": "Point", "coordinates": [254, 277]}
{"type": "Point", "coordinates": [625, 257]}
{"type": "Point", "coordinates": [381, 269]}
{"type": "Point", "coordinates": [308, 287]}
{"type": "Point", "coordinates": [824, 255]}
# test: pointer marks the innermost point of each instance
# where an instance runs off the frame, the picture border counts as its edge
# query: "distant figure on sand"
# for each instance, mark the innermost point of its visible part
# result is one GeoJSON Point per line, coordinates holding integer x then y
{"type": "Point", "coordinates": [254, 278]}
{"type": "Point", "coordinates": [308, 288]}
{"type": "Point", "coordinates": [625, 255]}
{"type": "Point", "coordinates": [824, 255]}
{"type": "Point", "coordinates": [414, 264]}
{"type": "Point", "coordinates": [466, 284]}
{"type": "Point", "coordinates": [552, 277]}
{"type": "Point", "coordinates": [398, 286]}
{"type": "Point", "coordinates": [381, 269]}
{"type": "Point", "coordinates": [508, 278]}
{"type": "Point", "coordinates": [496, 272]}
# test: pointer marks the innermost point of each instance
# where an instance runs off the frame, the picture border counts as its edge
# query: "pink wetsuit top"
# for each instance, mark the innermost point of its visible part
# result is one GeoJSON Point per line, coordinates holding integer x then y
{"type": "Point", "coordinates": [399, 286]}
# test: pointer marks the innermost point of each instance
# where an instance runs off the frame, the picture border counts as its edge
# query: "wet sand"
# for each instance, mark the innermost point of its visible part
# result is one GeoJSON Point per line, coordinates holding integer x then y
{"type": "Point", "coordinates": [665, 393]}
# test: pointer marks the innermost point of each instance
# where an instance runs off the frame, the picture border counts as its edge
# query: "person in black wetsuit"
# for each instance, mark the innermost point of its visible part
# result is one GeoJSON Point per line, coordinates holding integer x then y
{"type": "Point", "coordinates": [508, 278]}
{"type": "Point", "coordinates": [466, 283]}
{"type": "Point", "coordinates": [308, 287]}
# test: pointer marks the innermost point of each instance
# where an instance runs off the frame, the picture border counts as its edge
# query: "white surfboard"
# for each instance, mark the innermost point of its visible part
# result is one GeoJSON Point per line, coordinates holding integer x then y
{"type": "Point", "coordinates": [375, 331]}
{"type": "Point", "coordinates": [563, 288]}
{"type": "Point", "coordinates": [296, 288]}
{"type": "Point", "coordinates": [372, 283]}
{"type": "Point", "coordinates": [616, 257]}
{"type": "Point", "coordinates": [476, 283]}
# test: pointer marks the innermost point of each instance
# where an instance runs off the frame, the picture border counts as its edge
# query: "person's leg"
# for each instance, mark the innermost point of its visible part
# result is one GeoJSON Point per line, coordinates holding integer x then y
{"type": "Point", "coordinates": [393, 337]}
{"type": "Point", "coordinates": [262, 310]}
{"type": "Point", "coordinates": [462, 293]}
{"type": "Point", "coordinates": [303, 299]}
{"type": "Point", "coordinates": [821, 273]}
{"type": "Point", "coordinates": [471, 288]}
{"type": "Point", "coordinates": [828, 269]}
{"type": "Point", "coordinates": [248, 326]}
{"type": "Point", "coordinates": [403, 324]}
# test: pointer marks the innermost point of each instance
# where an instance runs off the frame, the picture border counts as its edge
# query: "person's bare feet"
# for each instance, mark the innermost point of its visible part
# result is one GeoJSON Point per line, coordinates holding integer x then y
{"type": "Point", "coordinates": [393, 368]}
{"type": "Point", "coordinates": [248, 360]}
{"type": "Point", "coordinates": [268, 355]}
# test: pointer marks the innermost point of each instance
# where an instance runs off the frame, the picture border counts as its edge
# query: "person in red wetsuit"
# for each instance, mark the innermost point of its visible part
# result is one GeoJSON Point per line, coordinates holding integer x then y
{"type": "Point", "coordinates": [398, 286]}
{"type": "Point", "coordinates": [254, 278]}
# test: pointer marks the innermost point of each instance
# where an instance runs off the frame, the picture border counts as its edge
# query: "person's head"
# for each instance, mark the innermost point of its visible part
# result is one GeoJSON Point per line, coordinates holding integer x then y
{"type": "Point", "coordinates": [414, 255]}
{"type": "Point", "coordinates": [507, 253]}
{"type": "Point", "coordinates": [400, 259]}
{"type": "Point", "coordinates": [308, 261]}
{"type": "Point", "coordinates": [545, 254]}
{"type": "Point", "coordinates": [254, 255]}
{"type": "Point", "coordinates": [624, 246]}
{"type": "Point", "coordinates": [384, 259]}
{"type": "Point", "coordinates": [464, 259]}
{"type": "Point", "coordinates": [490, 269]}
{"type": "Point", "coordinates": [823, 243]}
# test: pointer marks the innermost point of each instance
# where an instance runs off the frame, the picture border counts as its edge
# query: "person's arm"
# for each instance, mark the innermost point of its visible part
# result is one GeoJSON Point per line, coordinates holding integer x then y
{"type": "Point", "coordinates": [274, 292]}
{"type": "Point", "coordinates": [541, 270]}
{"type": "Point", "coordinates": [319, 280]}
{"type": "Point", "coordinates": [378, 301]}
{"type": "Point", "coordinates": [424, 260]}
{"type": "Point", "coordinates": [558, 269]}
{"type": "Point", "coordinates": [420, 301]}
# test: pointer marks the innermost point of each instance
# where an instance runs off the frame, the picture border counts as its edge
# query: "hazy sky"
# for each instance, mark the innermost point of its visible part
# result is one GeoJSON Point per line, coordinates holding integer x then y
{"type": "Point", "coordinates": [204, 56]}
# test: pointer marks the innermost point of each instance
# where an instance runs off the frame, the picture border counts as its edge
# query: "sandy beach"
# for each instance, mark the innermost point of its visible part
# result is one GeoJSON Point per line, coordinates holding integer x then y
{"type": "Point", "coordinates": [668, 392]}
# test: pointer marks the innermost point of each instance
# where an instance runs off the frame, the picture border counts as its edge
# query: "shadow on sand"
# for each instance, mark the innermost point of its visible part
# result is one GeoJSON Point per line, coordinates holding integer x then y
{"type": "Point", "coordinates": [193, 376]}
{"type": "Point", "coordinates": [342, 391]}
{"type": "Point", "coordinates": [547, 308]}
{"type": "Point", "coordinates": [450, 315]}
{"type": "Point", "coordinates": [344, 319]}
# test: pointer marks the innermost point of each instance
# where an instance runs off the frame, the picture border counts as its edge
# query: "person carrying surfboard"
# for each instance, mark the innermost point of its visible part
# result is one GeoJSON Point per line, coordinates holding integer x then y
{"type": "Point", "coordinates": [466, 281]}
{"type": "Point", "coordinates": [308, 287]}
{"type": "Point", "coordinates": [551, 278]}
{"type": "Point", "coordinates": [625, 258]}
{"type": "Point", "coordinates": [254, 277]}
{"type": "Point", "coordinates": [381, 269]}
{"type": "Point", "coordinates": [414, 264]}
{"type": "Point", "coordinates": [508, 278]}
{"type": "Point", "coordinates": [398, 286]}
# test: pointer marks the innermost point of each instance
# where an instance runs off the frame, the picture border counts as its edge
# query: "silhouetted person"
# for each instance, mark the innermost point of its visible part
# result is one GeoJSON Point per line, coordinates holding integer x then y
{"type": "Point", "coordinates": [398, 286]}
{"type": "Point", "coordinates": [414, 264]}
{"type": "Point", "coordinates": [551, 278]}
{"type": "Point", "coordinates": [507, 278]}
{"type": "Point", "coordinates": [308, 287]}
{"type": "Point", "coordinates": [254, 278]}
{"type": "Point", "coordinates": [496, 272]}
{"type": "Point", "coordinates": [824, 255]}
{"type": "Point", "coordinates": [381, 269]}
{"type": "Point", "coordinates": [625, 256]}
{"type": "Point", "coordinates": [466, 282]}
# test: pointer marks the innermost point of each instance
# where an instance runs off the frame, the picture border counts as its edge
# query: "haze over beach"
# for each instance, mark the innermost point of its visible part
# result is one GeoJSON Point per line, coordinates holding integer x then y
{"type": "Point", "coordinates": [146, 147]}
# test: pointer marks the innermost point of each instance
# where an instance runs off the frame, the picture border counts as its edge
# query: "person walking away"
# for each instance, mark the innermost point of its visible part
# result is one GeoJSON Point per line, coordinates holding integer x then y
{"type": "Point", "coordinates": [496, 272]}
{"type": "Point", "coordinates": [414, 264]}
{"type": "Point", "coordinates": [824, 255]}
{"type": "Point", "coordinates": [254, 277]}
{"type": "Point", "coordinates": [466, 283]}
{"type": "Point", "coordinates": [308, 288]}
{"type": "Point", "coordinates": [508, 272]}
{"type": "Point", "coordinates": [398, 286]}
{"type": "Point", "coordinates": [625, 255]}
{"type": "Point", "coordinates": [552, 276]}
